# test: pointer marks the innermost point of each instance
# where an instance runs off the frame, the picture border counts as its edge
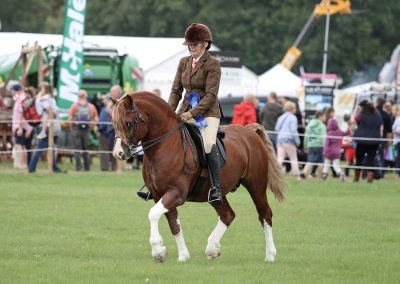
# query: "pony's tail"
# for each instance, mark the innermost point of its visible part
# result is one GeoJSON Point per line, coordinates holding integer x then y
{"type": "Point", "coordinates": [276, 180]}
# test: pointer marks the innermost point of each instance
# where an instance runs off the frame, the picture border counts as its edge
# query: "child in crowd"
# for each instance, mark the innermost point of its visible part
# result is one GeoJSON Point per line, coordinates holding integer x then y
{"type": "Point", "coordinates": [332, 149]}
{"type": "Point", "coordinates": [348, 147]}
{"type": "Point", "coordinates": [43, 103]}
{"type": "Point", "coordinates": [314, 143]}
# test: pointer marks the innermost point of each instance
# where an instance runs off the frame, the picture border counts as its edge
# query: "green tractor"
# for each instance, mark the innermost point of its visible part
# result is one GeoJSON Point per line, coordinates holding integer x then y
{"type": "Point", "coordinates": [103, 68]}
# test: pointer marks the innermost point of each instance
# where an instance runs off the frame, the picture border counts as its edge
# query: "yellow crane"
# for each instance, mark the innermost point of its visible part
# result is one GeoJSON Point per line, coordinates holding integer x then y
{"type": "Point", "coordinates": [326, 7]}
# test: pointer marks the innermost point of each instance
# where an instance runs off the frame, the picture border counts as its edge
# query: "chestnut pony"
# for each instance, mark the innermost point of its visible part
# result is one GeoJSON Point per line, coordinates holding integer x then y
{"type": "Point", "coordinates": [170, 169]}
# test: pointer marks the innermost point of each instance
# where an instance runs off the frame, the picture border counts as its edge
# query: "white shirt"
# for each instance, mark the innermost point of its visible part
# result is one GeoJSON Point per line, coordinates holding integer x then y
{"type": "Point", "coordinates": [198, 58]}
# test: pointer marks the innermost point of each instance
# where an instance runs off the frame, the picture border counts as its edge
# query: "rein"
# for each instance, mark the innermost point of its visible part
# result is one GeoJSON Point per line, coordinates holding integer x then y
{"type": "Point", "coordinates": [147, 144]}
{"type": "Point", "coordinates": [185, 138]}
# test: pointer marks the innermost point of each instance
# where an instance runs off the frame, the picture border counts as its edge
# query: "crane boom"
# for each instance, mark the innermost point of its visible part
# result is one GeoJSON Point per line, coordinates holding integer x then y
{"type": "Point", "coordinates": [326, 7]}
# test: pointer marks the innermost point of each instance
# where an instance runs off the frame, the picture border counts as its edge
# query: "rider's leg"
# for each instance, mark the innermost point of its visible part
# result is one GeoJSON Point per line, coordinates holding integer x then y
{"type": "Point", "coordinates": [209, 135]}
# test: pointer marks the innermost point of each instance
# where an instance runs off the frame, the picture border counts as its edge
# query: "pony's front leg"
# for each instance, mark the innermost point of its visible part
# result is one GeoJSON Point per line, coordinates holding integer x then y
{"type": "Point", "coordinates": [158, 250]}
{"type": "Point", "coordinates": [176, 230]}
{"type": "Point", "coordinates": [226, 216]}
{"type": "Point", "coordinates": [214, 240]}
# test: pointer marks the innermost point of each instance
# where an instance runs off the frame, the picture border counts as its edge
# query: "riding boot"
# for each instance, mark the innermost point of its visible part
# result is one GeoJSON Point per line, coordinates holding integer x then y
{"type": "Point", "coordinates": [357, 173]}
{"type": "Point", "coordinates": [144, 195]}
{"type": "Point", "coordinates": [370, 176]}
{"type": "Point", "coordinates": [214, 194]}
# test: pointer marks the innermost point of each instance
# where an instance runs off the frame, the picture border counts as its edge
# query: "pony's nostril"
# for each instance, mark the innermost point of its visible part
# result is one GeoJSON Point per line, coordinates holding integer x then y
{"type": "Point", "coordinates": [121, 154]}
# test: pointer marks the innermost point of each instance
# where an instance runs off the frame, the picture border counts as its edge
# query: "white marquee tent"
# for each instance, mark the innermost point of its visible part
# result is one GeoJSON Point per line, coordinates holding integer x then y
{"type": "Point", "coordinates": [280, 80]}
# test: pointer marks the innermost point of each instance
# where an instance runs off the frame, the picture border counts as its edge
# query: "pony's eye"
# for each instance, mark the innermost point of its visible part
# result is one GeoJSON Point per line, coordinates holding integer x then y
{"type": "Point", "coordinates": [129, 124]}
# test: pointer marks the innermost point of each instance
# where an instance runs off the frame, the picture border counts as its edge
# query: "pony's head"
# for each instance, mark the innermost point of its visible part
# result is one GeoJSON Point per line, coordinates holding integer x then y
{"type": "Point", "coordinates": [129, 124]}
{"type": "Point", "coordinates": [128, 121]}
{"type": "Point", "coordinates": [132, 117]}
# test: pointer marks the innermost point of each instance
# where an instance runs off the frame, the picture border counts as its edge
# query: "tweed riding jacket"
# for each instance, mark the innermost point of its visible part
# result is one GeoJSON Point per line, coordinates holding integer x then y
{"type": "Point", "coordinates": [204, 79]}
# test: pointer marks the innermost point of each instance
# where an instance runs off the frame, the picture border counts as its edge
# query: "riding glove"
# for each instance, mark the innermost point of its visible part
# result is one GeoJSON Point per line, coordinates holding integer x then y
{"type": "Point", "coordinates": [186, 116]}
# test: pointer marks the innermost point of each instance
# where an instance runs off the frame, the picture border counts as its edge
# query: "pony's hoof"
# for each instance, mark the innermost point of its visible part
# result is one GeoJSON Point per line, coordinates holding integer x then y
{"type": "Point", "coordinates": [270, 256]}
{"type": "Point", "coordinates": [212, 256]}
{"type": "Point", "coordinates": [160, 254]}
{"type": "Point", "coordinates": [213, 251]}
{"type": "Point", "coordinates": [183, 257]}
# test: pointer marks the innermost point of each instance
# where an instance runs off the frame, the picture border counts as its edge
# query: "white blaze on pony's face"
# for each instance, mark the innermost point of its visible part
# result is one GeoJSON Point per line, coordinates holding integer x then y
{"type": "Point", "coordinates": [118, 152]}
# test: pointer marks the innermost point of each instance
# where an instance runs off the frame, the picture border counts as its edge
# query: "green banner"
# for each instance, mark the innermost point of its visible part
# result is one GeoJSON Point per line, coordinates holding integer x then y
{"type": "Point", "coordinates": [71, 63]}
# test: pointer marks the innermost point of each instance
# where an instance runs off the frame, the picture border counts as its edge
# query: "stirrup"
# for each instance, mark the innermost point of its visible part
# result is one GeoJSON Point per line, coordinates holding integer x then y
{"type": "Point", "coordinates": [144, 195]}
{"type": "Point", "coordinates": [215, 196]}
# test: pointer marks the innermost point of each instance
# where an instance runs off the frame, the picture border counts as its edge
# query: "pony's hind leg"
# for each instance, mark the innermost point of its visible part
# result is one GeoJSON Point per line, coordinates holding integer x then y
{"type": "Point", "coordinates": [158, 250]}
{"type": "Point", "coordinates": [176, 230]}
{"type": "Point", "coordinates": [265, 216]}
{"type": "Point", "coordinates": [225, 218]}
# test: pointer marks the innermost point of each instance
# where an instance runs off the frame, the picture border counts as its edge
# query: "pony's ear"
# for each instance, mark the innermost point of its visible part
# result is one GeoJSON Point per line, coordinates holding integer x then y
{"type": "Point", "coordinates": [130, 100]}
{"type": "Point", "coordinates": [114, 101]}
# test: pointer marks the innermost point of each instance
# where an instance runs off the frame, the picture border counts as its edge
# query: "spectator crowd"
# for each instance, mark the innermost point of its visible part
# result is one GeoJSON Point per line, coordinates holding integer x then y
{"type": "Point", "coordinates": [322, 147]}
{"type": "Point", "coordinates": [371, 138]}
{"type": "Point", "coordinates": [35, 111]}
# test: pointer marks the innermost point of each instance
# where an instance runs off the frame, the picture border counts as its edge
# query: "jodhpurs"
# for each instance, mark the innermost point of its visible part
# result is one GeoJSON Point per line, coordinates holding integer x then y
{"type": "Point", "coordinates": [209, 133]}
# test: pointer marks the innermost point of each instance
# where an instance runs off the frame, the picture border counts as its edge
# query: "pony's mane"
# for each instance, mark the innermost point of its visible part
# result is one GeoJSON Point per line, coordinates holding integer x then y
{"type": "Point", "coordinates": [153, 99]}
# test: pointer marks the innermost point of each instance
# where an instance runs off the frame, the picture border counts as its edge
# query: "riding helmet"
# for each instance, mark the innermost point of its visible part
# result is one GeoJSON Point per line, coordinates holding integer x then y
{"type": "Point", "coordinates": [197, 32]}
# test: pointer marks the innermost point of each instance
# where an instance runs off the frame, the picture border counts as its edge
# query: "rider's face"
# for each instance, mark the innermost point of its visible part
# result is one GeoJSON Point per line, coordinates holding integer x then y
{"type": "Point", "coordinates": [196, 49]}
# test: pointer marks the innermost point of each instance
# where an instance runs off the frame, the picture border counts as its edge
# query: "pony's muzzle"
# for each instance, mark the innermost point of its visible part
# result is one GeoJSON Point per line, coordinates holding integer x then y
{"type": "Point", "coordinates": [118, 151]}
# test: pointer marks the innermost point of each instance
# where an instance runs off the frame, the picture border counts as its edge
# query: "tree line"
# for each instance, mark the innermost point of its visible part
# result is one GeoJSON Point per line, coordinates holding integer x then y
{"type": "Point", "coordinates": [262, 30]}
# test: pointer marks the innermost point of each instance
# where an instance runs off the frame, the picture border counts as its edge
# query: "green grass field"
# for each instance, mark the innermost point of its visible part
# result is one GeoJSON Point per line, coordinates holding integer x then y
{"type": "Point", "coordinates": [91, 228]}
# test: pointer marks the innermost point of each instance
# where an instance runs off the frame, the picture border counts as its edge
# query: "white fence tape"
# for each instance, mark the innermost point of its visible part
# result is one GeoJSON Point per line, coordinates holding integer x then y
{"type": "Point", "coordinates": [267, 131]}
{"type": "Point", "coordinates": [68, 150]}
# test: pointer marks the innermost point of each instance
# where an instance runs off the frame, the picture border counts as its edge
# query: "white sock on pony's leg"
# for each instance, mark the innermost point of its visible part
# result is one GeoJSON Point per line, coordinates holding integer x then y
{"type": "Point", "coordinates": [180, 242]}
{"type": "Point", "coordinates": [269, 240]}
{"type": "Point", "coordinates": [213, 246]}
{"type": "Point", "coordinates": [158, 250]}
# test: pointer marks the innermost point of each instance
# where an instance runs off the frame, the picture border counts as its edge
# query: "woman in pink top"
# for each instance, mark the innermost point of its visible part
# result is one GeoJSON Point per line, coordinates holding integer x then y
{"type": "Point", "coordinates": [20, 128]}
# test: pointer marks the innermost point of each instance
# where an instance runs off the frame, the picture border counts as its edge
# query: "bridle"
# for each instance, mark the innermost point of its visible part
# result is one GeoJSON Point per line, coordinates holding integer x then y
{"type": "Point", "coordinates": [147, 144]}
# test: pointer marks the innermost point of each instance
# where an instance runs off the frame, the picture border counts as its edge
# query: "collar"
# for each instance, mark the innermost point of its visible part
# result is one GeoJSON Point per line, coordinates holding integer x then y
{"type": "Point", "coordinates": [198, 58]}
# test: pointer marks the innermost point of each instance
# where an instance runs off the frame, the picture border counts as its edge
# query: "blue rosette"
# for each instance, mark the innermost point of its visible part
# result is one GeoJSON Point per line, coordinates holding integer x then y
{"type": "Point", "coordinates": [194, 100]}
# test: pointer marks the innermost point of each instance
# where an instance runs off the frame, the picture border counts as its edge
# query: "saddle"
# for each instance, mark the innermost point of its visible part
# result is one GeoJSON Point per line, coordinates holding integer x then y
{"type": "Point", "coordinates": [196, 139]}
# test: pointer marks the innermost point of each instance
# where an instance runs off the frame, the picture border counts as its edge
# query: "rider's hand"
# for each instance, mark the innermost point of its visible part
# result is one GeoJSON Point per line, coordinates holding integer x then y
{"type": "Point", "coordinates": [186, 116]}
{"type": "Point", "coordinates": [19, 132]}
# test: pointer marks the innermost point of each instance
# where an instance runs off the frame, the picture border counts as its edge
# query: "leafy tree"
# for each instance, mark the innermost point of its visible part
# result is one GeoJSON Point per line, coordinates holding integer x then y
{"type": "Point", "coordinates": [263, 30]}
